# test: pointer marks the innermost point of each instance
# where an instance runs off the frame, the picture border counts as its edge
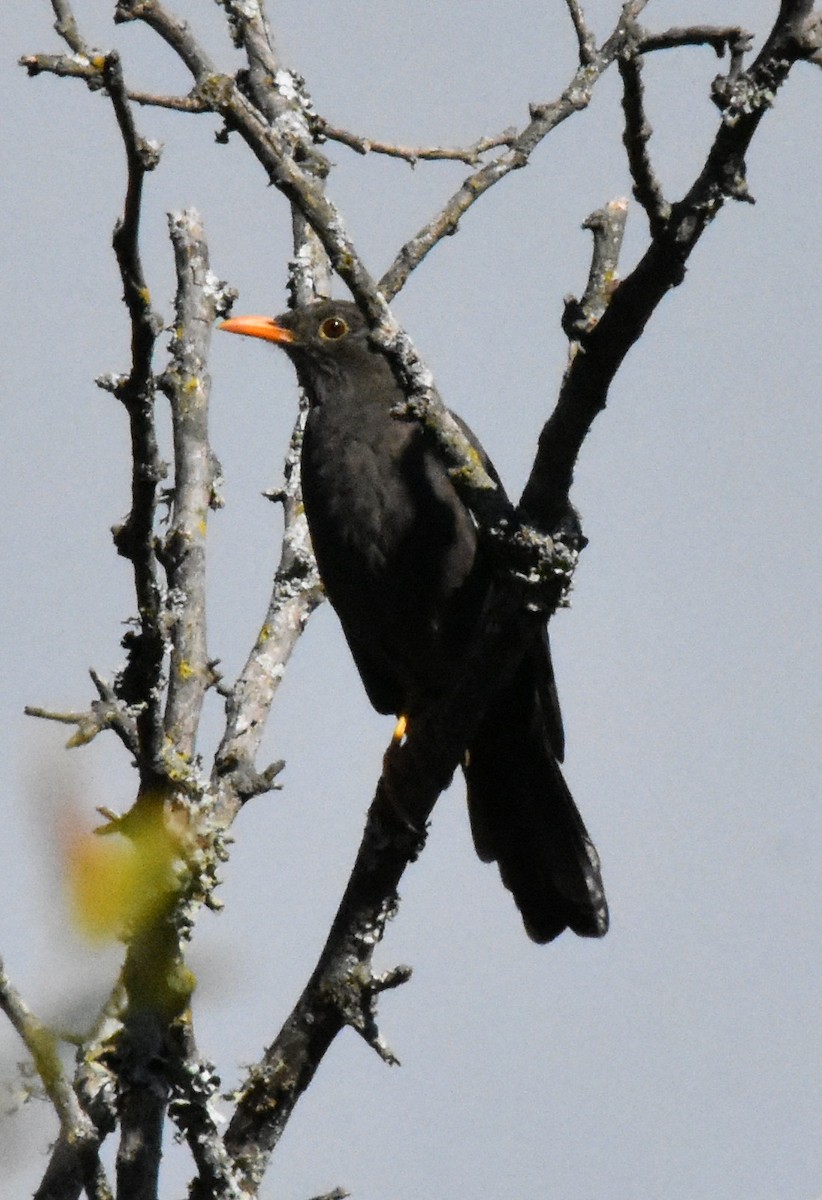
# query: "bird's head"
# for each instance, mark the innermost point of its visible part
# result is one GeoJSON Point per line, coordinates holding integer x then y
{"type": "Point", "coordinates": [327, 342]}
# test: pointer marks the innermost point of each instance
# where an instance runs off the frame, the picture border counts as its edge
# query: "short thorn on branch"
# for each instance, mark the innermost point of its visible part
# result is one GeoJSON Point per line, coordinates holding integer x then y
{"type": "Point", "coordinates": [245, 779]}
{"type": "Point", "coordinates": [358, 1007]}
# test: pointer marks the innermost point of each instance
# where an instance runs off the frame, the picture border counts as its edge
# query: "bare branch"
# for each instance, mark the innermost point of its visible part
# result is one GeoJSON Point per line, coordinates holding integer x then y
{"type": "Point", "coordinates": [544, 118]}
{"type": "Point", "coordinates": [76, 1128]}
{"type": "Point", "coordinates": [271, 146]}
{"type": "Point", "coordinates": [720, 37]}
{"type": "Point", "coordinates": [94, 1086]}
{"type": "Point", "coordinates": [77, 66]}
{"type": "Point", "coordinates": [810, 37]}
{"type": "Point", "coordinates": [139, 682]}
{"type": "Point", "coordinates": [297, 590]}
{"type": "Point", "coordinates": [630, 11]}
{"type": "Point", "coordinates": [636, 136]}
{"type": "Point", "coordinates": [585, 39]}
{"type": "Point", "coordinates": [66, 26]}
{"type": "Point", "coordinates": [144, 1091]}
{"type": "Point", "coordinates": [608, 227]}
{"type": "Point", "coordinates": [106, 713]}
{"type": "Point", "coordinates": [189, 104]}
{"type": "Point", "coordinates": [589, 375]}
{"type": "Point", "coordinates": [415, 772]}
{"type": "Point", "coordinates": [195, 1085]}
{"type": "Point", "coordinates": [296, 593]}
{"type": "Point", "coordinates": [201, 297]}
{"type": "Point", "coordinates": [413, 154]}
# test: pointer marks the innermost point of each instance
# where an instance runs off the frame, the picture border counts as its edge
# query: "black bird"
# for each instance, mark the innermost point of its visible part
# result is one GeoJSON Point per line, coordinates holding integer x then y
{"type": "Point", "coordinates": [397, 551]}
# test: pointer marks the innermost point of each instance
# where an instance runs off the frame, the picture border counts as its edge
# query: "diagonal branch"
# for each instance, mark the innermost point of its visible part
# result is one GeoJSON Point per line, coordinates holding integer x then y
{"type": "Point", "coordinates": [77, 1130]}
{"type": "Point", "coordinates": [342, 988]}
{"type": "Point", "coordinates": [544, 118]}
{"type": "Point", "coordinates": [662, 267]}
{"type": "Point", "coordinates": [66, 26]}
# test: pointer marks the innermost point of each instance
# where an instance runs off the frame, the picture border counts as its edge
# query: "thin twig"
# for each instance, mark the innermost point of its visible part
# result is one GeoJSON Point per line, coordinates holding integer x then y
{"type": "Point", "coordinates": [544, 118]}
{"type": "Point", "coordinates": [191, 103]}
{"type": "Point", "coordinates": [106, 713]}
{"type": "Point", "coordinates": [719, 37]}
{"type": "Point", "coordinates": [412, 154]}
{"type": "Point", "coordinates": [76, 1128]}
{"type": "Point", "coordinates": [66, 26]}
{"type": "Point", "coordinates": [636, 136]}
{"type": "Point", "coordinates": [585, 39]}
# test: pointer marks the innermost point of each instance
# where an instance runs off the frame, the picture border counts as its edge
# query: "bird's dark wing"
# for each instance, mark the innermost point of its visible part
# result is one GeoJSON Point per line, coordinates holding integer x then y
{"type": "Point", "coordinates": [543, 668]}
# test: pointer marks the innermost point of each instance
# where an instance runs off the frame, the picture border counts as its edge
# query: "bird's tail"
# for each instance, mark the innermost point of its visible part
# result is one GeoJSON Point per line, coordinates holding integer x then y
{"type": "Point", "coordinates": [523, 816]}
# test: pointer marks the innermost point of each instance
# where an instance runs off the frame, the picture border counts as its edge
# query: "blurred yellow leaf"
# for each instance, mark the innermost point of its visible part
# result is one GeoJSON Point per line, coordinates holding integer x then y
{"type": "Point", "coordinates": [117, 884]}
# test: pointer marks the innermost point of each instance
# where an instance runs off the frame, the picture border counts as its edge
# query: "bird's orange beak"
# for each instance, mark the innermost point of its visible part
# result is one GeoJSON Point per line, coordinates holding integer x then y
{"type": "Point", "coordinates": [260, 327]}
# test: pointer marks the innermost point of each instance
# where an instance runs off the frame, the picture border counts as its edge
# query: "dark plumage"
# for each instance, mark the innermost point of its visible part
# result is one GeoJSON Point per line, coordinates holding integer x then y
{"type": "Point", "coordinates": [397, 552]}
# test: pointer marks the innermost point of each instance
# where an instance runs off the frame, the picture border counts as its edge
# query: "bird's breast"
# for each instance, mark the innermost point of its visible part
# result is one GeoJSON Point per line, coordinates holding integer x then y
{"type": "Point", "coordinates": [394, 544]}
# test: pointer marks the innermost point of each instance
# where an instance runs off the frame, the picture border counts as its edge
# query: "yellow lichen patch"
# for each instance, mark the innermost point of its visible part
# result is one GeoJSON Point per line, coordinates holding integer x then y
{"type": "Point", "coordinates": [474, 464]}
{"type": "Point", "coordinates": [185, 669]}
{"type": "Point", "coordinates": [117, 884]}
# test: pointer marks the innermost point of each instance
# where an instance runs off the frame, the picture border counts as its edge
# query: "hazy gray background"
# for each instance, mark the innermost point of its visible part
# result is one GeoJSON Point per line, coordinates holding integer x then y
{"type": "Point", "coordinates": [679, 1058]}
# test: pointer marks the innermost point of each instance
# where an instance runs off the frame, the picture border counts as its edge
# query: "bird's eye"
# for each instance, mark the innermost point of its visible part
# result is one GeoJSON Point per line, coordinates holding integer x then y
{"type": "Point", "coordinates": [333, 328]}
